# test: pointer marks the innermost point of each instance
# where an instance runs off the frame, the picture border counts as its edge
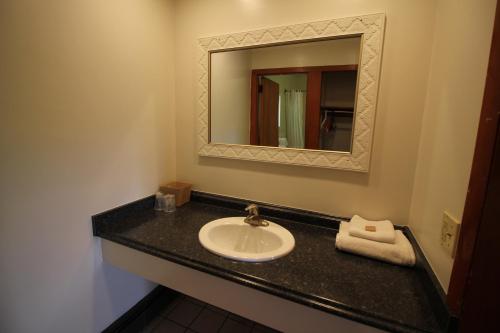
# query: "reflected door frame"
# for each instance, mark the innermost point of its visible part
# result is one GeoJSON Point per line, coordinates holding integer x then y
{"type": "Point", "coordinates": [313, 99]}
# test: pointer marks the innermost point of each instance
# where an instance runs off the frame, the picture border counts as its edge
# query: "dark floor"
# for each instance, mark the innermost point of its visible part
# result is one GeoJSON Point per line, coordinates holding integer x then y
{"type": "Point", "coordinates": [186, 314]}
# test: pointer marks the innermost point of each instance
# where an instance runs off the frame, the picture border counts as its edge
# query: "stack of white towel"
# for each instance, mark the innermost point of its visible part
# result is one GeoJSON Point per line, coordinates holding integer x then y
{"type": "Point", "coordinates": [375, 239]}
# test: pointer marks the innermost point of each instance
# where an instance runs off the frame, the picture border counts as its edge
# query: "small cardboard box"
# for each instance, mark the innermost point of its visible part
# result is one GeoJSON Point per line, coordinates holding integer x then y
{"type": "Point", "coordinates": [182, 192]}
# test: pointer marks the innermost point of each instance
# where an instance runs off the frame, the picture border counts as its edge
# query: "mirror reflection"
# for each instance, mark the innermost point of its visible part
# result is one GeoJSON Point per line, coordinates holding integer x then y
{"type": "Point", "coordinates": [292, 96]}
{"type": "Point", "coordinates": [280, 109]}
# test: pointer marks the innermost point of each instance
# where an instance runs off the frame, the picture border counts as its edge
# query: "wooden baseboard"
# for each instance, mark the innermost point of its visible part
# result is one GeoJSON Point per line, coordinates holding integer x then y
{"type": "Point", "coordinates": [144, 308]}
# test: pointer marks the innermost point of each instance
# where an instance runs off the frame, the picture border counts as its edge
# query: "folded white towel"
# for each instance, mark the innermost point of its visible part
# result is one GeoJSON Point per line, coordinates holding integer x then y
{"type": "Point", "coordinates": [401, 252]}
{"type": "Point", "coordinates": [384, 230]}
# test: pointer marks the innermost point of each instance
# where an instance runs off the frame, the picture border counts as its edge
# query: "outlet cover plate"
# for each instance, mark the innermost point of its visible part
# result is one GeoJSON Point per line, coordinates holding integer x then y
{"type": "Point", "coordinates": [450, 228]}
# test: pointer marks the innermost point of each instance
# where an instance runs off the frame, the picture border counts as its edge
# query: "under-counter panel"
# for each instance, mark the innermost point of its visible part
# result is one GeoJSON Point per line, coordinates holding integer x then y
{"type": "Point", "coordinates": [270, 310]}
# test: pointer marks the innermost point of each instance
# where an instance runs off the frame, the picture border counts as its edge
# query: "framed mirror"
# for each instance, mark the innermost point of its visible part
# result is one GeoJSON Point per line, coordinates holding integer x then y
{"type": "Point", "coordinates": [303, 94]}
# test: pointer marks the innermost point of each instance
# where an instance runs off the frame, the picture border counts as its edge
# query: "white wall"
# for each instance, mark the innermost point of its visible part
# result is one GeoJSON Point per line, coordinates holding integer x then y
{"type": "Point", "coordinates": [86, 124]}
{"type": "Point", "coordinates": [383, 193]}
{"type": "Point", "coordinates": [460, 53]}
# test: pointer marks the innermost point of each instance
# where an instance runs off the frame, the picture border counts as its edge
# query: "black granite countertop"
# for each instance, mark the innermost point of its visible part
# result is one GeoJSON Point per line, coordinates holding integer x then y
{"type": "Point", "coordinates": [315, 274]}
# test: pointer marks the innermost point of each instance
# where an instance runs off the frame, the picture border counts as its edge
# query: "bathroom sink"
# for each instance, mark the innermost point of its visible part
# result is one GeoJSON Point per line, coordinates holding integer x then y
{"type": "Point", "coordinates": [232, 238]}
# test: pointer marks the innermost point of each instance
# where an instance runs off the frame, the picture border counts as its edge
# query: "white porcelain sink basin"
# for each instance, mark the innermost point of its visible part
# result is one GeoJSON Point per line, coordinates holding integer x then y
{"type": "Point", "coordinates": [232, 238]}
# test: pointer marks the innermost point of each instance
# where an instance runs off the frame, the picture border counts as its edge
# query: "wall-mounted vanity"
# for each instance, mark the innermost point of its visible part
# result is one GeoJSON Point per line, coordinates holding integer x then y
{"type": "Point", "coordinates": [314, 288]}
{"type": "Point", "coordinates": [301, 94]}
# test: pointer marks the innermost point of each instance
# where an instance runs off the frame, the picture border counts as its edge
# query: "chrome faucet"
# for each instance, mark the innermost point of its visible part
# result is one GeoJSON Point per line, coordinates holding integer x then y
{"type": "Point", "coordinates": [254, 218]}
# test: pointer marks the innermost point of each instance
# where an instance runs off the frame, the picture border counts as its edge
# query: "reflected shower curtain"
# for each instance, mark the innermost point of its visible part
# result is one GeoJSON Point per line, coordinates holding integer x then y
{"type": "Point", "coordinates": [294, 108]}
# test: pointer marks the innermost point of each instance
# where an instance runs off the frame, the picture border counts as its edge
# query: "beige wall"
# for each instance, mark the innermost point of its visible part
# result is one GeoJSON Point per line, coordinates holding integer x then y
{"type": "Point", "coordinates": [86, 124]}
{"type": "Point", "coordinates": [230, 84]}
{"type": "Point", "coordinates": [386, 190]}
{"type": "Point", "coordinates": [324, 53]}
{"type": "Point", "coordinates": [454, 95]}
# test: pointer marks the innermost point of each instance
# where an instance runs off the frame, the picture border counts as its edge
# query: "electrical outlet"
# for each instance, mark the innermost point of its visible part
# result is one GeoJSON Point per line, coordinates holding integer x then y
{"type": "Point", "coordinates": [449, 233]}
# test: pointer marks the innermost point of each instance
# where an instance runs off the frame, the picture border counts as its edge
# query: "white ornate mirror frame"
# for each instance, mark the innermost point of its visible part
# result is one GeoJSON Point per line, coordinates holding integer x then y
{"type": "Point", "coordinates": [371, 30]}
